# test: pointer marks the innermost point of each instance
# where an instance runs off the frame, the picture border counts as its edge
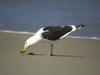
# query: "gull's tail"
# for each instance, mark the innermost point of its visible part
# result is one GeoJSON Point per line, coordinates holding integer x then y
{"type": "Point", "coordinates": [80, 26]}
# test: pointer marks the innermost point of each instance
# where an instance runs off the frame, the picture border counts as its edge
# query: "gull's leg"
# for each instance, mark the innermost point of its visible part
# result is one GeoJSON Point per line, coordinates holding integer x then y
{"type": "Point", "coordinates": [51, 46]}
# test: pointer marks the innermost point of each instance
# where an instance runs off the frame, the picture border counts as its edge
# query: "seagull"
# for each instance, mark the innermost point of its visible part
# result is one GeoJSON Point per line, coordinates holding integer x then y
{"type": "Point", "coordinates": [51, 34]}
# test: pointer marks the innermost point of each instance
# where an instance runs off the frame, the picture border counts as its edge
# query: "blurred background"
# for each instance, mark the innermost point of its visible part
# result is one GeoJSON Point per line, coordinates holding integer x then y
{"type": "Point", "coordinates": [30, 15]}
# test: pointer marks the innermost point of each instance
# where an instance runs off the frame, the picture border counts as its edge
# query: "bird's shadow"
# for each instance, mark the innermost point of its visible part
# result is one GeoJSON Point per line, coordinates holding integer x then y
{"type": "Point", "coordinates": [67, 55]}
{"type": "Point", "coordinates": [55, 55]}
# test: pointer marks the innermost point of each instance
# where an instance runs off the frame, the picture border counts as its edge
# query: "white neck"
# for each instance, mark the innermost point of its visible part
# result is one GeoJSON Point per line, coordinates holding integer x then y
{"type": "Point", "coordinates": [35, 38]}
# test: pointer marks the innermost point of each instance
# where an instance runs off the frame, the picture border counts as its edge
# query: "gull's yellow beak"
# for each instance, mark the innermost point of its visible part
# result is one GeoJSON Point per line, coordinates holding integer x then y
{"type": "Point", "coordinates": [23, 50]}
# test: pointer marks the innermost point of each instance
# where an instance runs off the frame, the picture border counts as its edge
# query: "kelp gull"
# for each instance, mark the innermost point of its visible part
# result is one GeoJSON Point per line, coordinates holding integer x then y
{"type": "Point", "coordinates": [50, 33]}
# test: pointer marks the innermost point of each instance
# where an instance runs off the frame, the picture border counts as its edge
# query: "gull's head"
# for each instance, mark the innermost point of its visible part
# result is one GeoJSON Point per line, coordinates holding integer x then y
{"type": "Point", "coordinates": [26, 46]}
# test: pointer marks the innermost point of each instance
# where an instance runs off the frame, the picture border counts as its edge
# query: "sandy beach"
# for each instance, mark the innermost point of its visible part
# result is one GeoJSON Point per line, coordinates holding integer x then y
{"type": "Point", "coordinates": [72, 56]}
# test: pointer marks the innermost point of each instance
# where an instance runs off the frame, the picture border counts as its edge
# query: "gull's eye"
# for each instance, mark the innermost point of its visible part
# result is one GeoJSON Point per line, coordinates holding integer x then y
{"type": "Point", "coordinates": [25, 42]}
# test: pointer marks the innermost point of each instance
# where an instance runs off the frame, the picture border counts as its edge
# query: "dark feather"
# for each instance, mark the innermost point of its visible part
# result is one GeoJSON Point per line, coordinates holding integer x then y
{"type": "Point", "coordinates": [55, 32]}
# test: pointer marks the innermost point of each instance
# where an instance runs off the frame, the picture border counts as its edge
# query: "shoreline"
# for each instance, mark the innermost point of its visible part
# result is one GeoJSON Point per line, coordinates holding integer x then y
{"type": "Point", "coordinates": [69, 36]}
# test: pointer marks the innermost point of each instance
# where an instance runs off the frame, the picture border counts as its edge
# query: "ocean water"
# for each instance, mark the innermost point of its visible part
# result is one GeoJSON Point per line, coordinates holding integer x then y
{"type": "Point", "coordinates": [30, 15]}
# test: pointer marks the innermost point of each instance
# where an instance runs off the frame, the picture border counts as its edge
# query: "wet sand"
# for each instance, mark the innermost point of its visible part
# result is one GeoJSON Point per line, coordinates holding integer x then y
{"type": "Point", "coordinates": [72, 56]}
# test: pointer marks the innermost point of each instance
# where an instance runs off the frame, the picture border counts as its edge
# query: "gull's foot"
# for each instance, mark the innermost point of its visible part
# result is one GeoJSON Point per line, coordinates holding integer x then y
{"type": "Point", "coordinates": [51, 54]}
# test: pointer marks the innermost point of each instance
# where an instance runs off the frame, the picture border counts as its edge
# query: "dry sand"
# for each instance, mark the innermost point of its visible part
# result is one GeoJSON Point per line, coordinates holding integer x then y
{"type": "Point", "coordinates": [72, 57]}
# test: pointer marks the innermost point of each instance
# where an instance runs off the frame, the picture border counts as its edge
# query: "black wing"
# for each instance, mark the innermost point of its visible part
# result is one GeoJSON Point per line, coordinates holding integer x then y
{"type": "Point", "coordinates": [55, 32]}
